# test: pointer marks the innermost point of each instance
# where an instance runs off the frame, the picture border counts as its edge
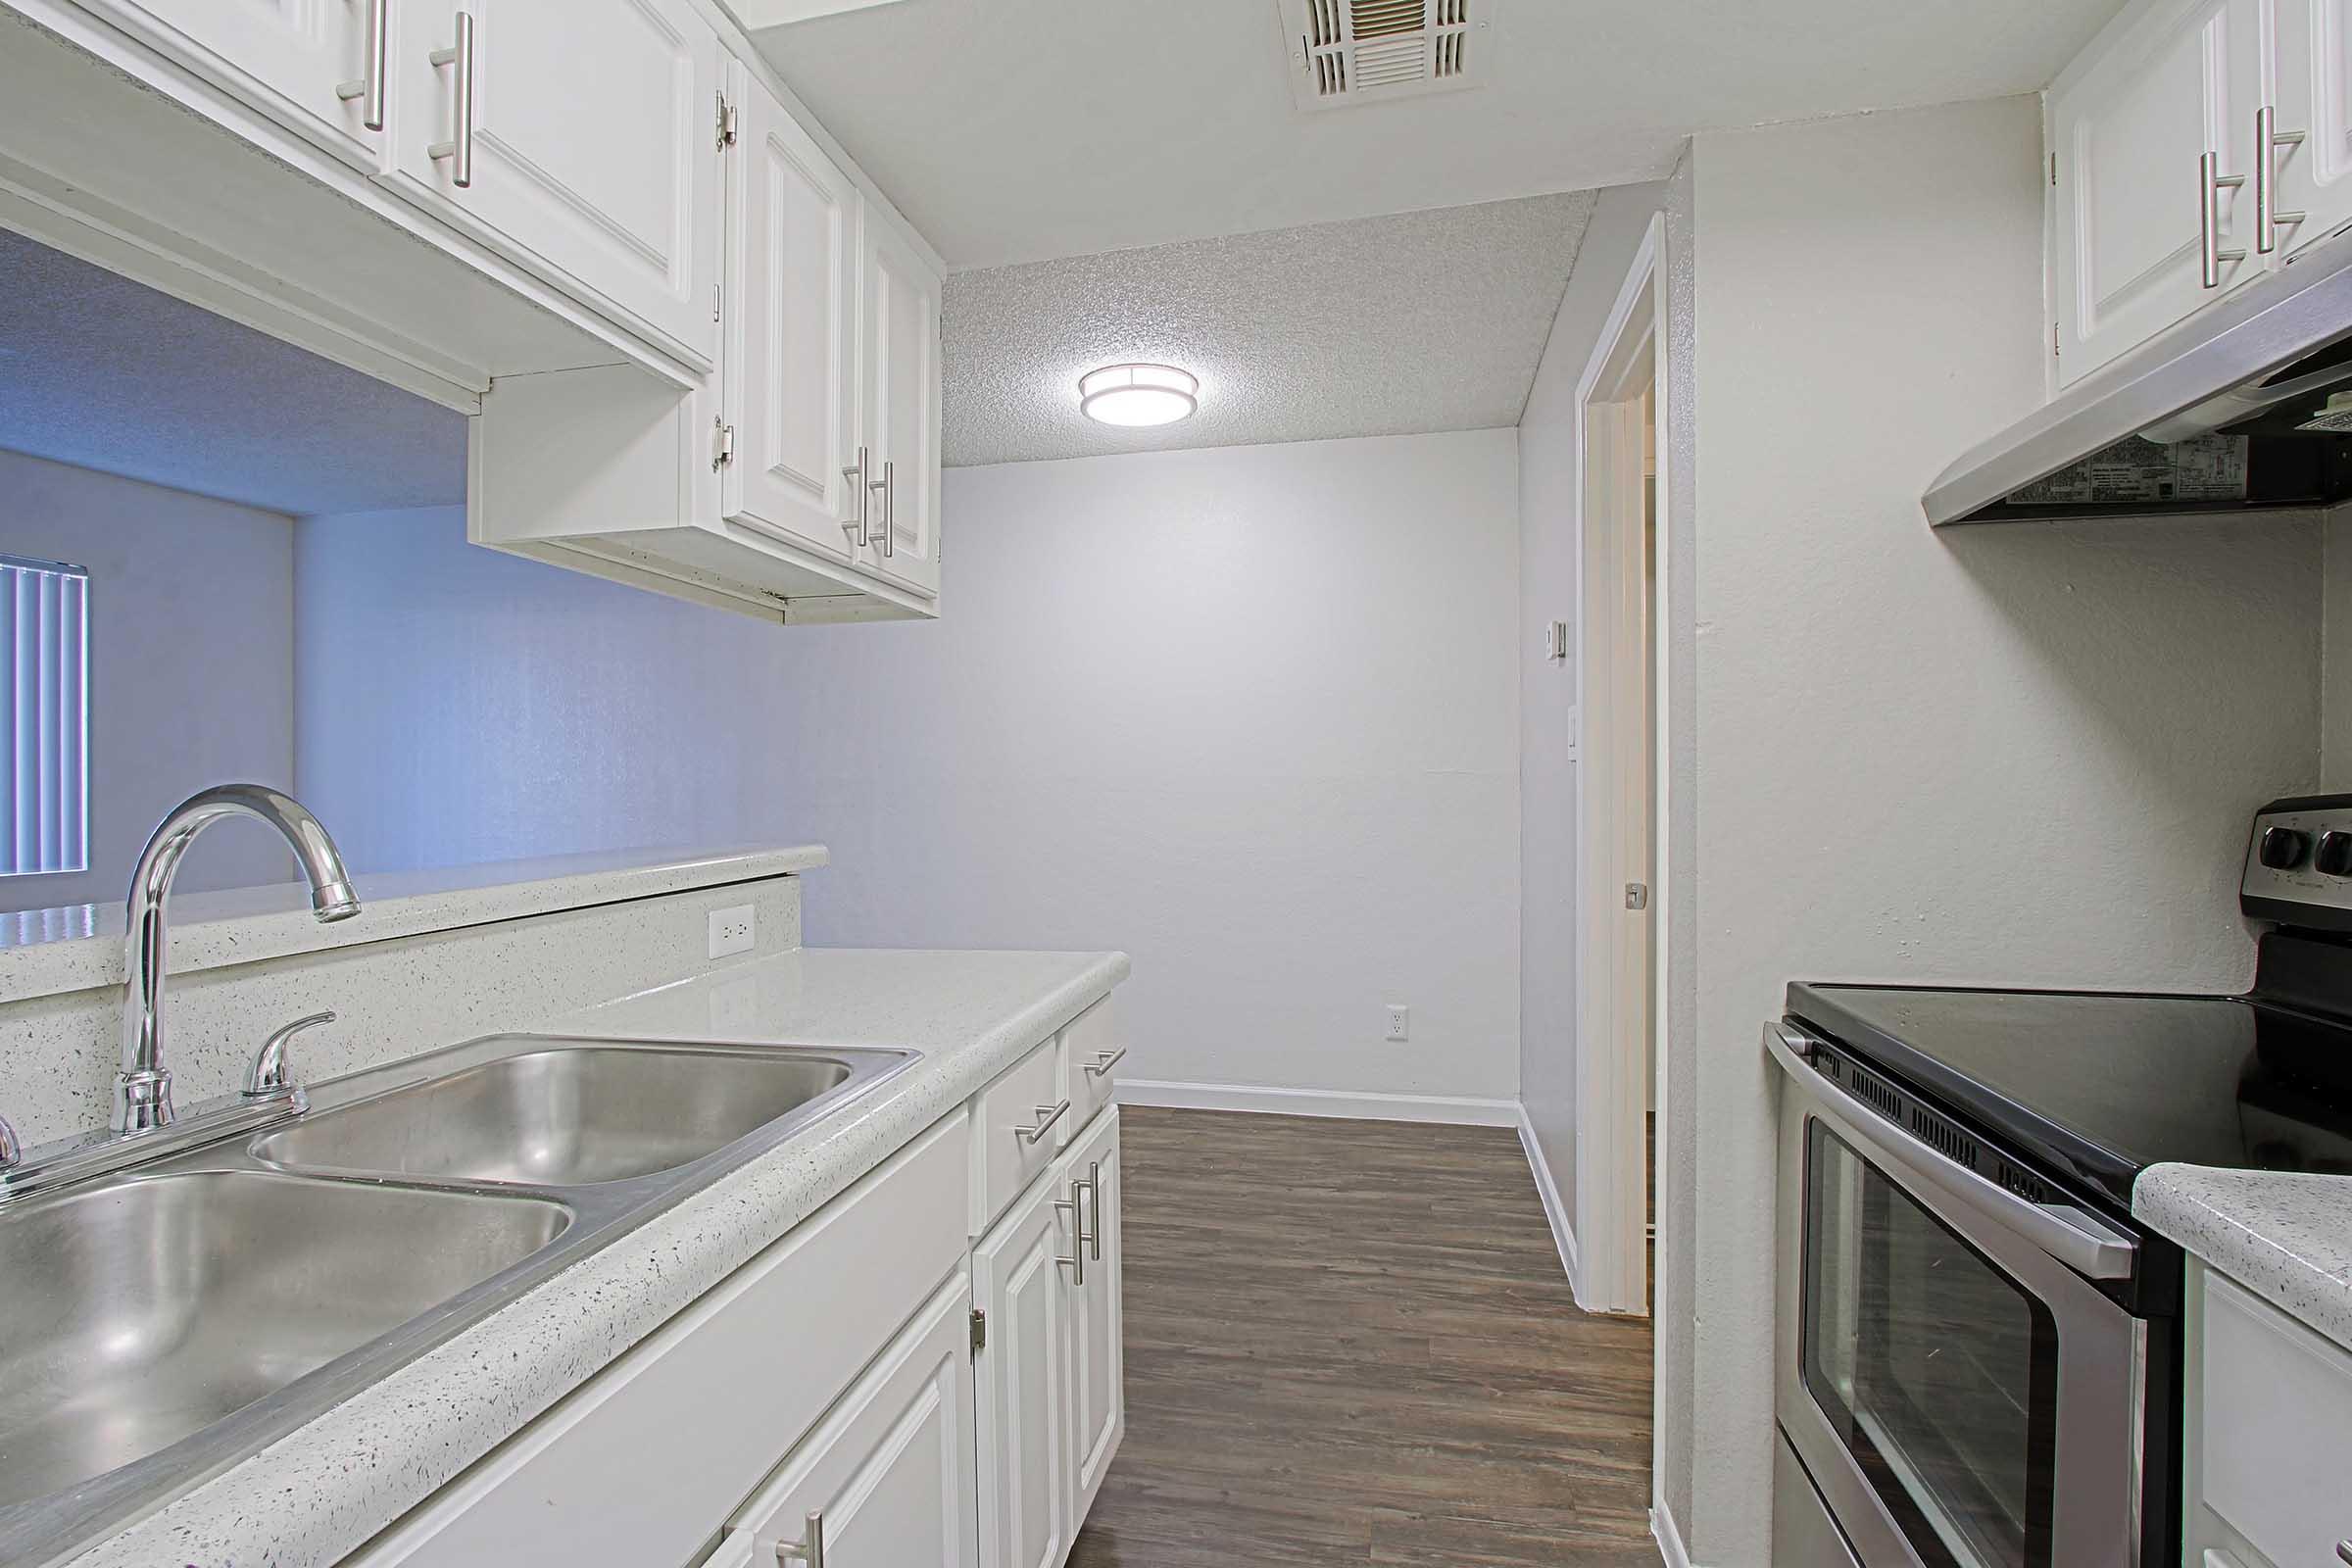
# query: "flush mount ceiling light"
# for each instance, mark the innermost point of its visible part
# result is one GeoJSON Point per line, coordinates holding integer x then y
{"type": "Point", "coordinates": [1137, 394]}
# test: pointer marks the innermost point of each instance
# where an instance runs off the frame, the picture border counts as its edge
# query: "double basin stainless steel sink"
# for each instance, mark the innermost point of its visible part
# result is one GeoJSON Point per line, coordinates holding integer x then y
{"type": "Point", "coordinates": [163, 1321]}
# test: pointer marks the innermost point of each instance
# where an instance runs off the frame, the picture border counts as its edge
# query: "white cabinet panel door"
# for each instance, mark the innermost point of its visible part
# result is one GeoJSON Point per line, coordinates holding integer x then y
{"type": "Point", "coordinates": [1097, 1365]}
{"type": "Point", "coordinates": [888, 1477]}
{"type": "Point", "coordinates": [791, 362]}
{"type": "Point", "coordinates": [594, 148]}
{"type": "Point", "coordinates": [901, 361]}
{"type": "Point", "coordinates": [1020, 1376]}
{"type": "Point", "coordinates": [2314, 95]}
{"type": "Point", "coordinates": [2127, 255]}
{"type": "Point", "coordinates": [284, 56]}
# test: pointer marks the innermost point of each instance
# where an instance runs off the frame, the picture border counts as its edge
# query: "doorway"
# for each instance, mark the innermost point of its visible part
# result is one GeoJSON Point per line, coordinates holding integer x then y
{"type": "Point", "coordinates": [1621, 794]}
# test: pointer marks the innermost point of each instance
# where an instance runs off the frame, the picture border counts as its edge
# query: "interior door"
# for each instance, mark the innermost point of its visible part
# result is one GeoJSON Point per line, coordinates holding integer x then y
{"type": "Point", "coordinates": [1021, 1376]}
{"type": "Point", "coordinates": [790, 369]}
{"type": "Point", "coordinates": [886, 1480]}
{"type": "Point", "coordinates": [287, 58]}
{"type": "Point", "coordinates": [2127, 247]}
{"type": "Point", "coordinates": [900, 358]}
{"type": "Point", "coordinates": [1097, 1365]}
{"type": "Point", "coordinates": [2314, 96]}
{"type": "Point", "coordinates": [594, 148]}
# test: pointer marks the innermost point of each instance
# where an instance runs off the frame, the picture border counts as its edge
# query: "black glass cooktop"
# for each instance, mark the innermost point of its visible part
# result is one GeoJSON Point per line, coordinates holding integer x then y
{"type": "Point", "coordinates": [2097, 1086]}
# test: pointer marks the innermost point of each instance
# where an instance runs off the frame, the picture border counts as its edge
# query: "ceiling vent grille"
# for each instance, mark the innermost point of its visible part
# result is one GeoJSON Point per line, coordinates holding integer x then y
{"type": "Point", "coordinates": [1345, 52]}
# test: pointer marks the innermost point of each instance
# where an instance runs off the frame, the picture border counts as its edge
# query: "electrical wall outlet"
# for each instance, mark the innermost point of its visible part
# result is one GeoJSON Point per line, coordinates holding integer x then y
{"type": "Point", "coordinates": [733, 930]}
{"type": "Point", "coordinates": [1400, 1021]}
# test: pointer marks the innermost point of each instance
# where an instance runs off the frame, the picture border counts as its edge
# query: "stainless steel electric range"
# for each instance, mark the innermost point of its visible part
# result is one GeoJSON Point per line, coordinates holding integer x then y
{"type": "Point", "coordinates": [1979, 1349]}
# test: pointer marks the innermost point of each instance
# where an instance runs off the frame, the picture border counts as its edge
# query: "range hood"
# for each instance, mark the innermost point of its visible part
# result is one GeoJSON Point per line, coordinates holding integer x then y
{"type": "Point", "coordinates": [2228, 412]}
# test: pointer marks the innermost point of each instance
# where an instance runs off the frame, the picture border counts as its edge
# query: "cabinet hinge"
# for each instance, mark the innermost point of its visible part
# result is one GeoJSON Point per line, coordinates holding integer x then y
{"type": "Point", "coordinates": [2053, 170]}
{"type": "Point", "coordinates": [2054, 340]}
{"type": "Point", "coordinates": [726, 123]}
{"type": "Point", "coordinates": [723, 445]}
{"type": "Point", "coordinates": [979, 1331]}
{"type": "Point", "coordinates": [719, 301]}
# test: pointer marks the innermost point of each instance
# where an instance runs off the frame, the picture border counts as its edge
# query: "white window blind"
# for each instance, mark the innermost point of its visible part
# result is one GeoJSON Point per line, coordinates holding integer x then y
{"type": "Point", "coordinates": [44, 716]}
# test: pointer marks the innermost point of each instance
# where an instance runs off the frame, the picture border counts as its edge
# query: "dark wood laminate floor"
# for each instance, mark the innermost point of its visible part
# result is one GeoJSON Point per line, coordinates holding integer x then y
{"type": "Point", "coordinates": [1352, 1343]}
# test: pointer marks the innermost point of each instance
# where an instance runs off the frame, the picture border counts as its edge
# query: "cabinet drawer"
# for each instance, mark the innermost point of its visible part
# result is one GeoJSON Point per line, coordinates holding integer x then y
{"type": "Point", "coordinates": [2272, 1425]}
{"type": "Point", "coordinates": [1008, 1151]}
{"type": "Point", "coordinates": [639, 1464]}
{"type": "Point", "coordinates": [1091, 1049]}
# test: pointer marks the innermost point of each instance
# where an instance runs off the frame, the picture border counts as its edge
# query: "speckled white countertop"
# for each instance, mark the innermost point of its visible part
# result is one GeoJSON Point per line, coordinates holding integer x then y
{"type": "Point", "coordinates": [45, 951]}
{"type": "Point", "coordinates": [327, 1487]}
{"type": "Point", "coordinates": [2283, 1234]}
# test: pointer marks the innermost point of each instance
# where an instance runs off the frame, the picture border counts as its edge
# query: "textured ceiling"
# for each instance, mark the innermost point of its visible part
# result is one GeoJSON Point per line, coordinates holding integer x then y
{"type": "Point", "coordinates": [1378, 326]}
{"type": "Point", "coordinates": [105, 373]}
{"type": "Point", "coordinates": [1014, 130]}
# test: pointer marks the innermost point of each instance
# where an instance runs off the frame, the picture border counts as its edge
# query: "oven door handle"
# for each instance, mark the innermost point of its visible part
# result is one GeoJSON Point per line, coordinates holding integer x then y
{"type": "Point", "coordinates": [2068, 1234]}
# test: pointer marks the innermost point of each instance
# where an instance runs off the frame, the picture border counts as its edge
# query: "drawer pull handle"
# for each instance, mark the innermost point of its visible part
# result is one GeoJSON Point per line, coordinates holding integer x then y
{"type": "Point", "coordinates": [459, 149]}
{"type": "Point", "coordinates": [1047, 1116]}
{"type": "Point", "coordinates": [810, 1551]}
{"type": "Point", "coordinates": [1104, 1062]}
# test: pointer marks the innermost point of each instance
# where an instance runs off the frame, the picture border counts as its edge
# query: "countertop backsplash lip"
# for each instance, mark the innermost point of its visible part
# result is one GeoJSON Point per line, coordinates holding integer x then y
{"type": "Point", "coordinates": [48, 951]}
{"type": "Point", "coordinates": [2287, 1236]}
{"type": "Point", "coordinates": [328, 1488]}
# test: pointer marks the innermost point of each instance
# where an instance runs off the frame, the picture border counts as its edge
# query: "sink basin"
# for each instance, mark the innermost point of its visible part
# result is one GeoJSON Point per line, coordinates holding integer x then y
{"type": "Point", "coordinates": [145, 1308]}
{"type": "Point", "coordinates": [563, 1115]}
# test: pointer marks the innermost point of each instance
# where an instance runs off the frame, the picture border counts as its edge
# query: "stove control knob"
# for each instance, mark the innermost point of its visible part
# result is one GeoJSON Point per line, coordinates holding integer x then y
{"type": "Point", "coordinates": [2334, 853]}
{"type": "Point", "coordinates": [2284, 847]}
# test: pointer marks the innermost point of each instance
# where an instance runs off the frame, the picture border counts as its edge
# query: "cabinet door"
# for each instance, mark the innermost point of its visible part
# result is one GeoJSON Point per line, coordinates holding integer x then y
{"type": "Point", "coordinates": [593, 129]}
{"type": "Point", "coordinates": [1097, 1382]}
{"type": "Point", "coordinates": [284, 56]}
{"type": "Point", "coordinates": [900, 356]}
{"type": "Point", "coordinates": [2127, 247]}
{"type": "Point", "coordinates": [2314, 95]}
{"type": "Point", "coordinates": [792, 338]}
{"type": "Point", "coordinates": [1021, 1376]}
{"type": "Point", "coordinates": [887, 1478]}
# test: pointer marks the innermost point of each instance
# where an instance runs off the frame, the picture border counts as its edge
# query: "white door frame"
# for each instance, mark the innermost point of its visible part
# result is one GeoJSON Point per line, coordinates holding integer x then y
{"type": "Point", "coordinates": [1620, 991]}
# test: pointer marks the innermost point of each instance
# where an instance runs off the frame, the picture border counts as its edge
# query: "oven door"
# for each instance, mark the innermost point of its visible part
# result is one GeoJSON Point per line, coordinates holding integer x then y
{"type": "Point", "coordinates": [1958, 1389]}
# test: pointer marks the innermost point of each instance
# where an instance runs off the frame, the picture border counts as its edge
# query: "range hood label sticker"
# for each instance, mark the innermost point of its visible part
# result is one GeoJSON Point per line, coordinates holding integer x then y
{"type": "Point", "coordinates": [2209, 468]}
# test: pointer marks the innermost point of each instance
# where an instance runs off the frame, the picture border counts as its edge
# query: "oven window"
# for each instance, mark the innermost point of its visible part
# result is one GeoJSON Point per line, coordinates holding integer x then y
{"type": "Point", "coordinates": [1937, 1371]}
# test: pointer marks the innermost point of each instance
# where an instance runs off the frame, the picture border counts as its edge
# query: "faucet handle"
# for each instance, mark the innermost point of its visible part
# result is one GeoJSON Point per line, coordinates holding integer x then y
{"type": "Point", "coordinates": [269, 1075]}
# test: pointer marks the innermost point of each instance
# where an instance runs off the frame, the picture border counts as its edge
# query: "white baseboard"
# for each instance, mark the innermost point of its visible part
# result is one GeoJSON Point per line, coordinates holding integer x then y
{"type": "Point", "coordinates": [1456, 1109]}
{"type": "Point", "coordinates": [1556, 1209]}
{"type": "Point", "coordinates": [1668, 1538]}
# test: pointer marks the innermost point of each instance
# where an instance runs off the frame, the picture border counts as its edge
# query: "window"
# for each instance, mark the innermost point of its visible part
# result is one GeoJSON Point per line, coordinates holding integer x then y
{"type": "Point", "coordinates": [44, 717]}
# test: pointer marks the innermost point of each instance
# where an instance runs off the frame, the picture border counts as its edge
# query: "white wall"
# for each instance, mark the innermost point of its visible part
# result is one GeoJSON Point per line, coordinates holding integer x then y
{"type": "Point", "coordinates": [2010, 754]}
{"type": "Point", "coordinates": [456, 704]}
{"type": "Point", "coordinates": [1550, 499]}
{"type": "Point", "coordinates": [191, 673]}
{"type": "Point", "coordinates": [1249, 714]}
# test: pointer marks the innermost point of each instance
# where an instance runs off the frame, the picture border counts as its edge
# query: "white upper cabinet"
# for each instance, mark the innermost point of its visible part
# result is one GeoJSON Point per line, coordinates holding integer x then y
{"type": "Point", "coordinates": [2312, 126]}
{"type": "Point", "coordinates": [578, 137]}
{"type": "Point", "coordinates": [793, 257]}
{"type": "Point", "coordinates": [900, 360]}
{"type": "Point", "coordinates": [2152, 209]}
{"type": "Point", "coordinates": [318, 67]}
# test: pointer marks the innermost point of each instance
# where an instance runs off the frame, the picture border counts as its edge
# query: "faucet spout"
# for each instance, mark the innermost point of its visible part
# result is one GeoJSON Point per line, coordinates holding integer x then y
{"type": "Point", "coordinates": [143, 1092]}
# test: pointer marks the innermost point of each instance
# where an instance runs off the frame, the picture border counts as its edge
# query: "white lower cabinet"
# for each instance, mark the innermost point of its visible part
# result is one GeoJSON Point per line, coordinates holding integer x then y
{"type": "Point", "coordinates": [2269, 1426]}
{"type": "Point", "coordinates": [886, 1481]}
{"type": "Point", "coordinates": [1098, 1364]}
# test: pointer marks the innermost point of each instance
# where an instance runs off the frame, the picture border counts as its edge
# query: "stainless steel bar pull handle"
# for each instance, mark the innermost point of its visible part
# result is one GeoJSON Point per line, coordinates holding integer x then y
{"type": "Point", "coordinates": [1074, 1207]}
{"type": "Point", "coordinates": [1047, 1116]}
{"type": "Point", "coordinates": [1104, 1062]}
{"type": "Point", "coordinates": [809, 1549]}
{"type": "Point", "coordinates": [459, 150]}
{"type": "Point", "coordinates": [2211, 182]}
{"type": "Point", "coordinates": [887, 484]}
{"type": "Point", "coordinates": [370, 87]}
{"type": "Point", "coordinates": [1094, 1194]}
{"type": "Point", "coordinates": [855, 527]}
{"type": "Point", "coordinates": [2343, 1550]}
{"type": "Point", "coordinates": [2267, 139]}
